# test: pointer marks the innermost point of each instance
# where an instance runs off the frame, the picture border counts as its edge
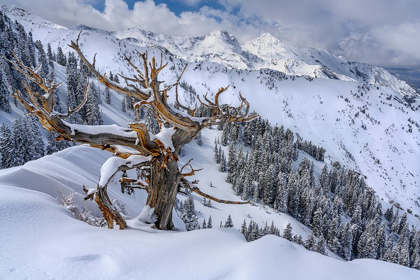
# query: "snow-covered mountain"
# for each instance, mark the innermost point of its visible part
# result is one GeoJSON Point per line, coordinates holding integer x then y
{"type": "Point", "coordinates": [357, 112]}
{"type": "Point", "coordinates": [265, 51]}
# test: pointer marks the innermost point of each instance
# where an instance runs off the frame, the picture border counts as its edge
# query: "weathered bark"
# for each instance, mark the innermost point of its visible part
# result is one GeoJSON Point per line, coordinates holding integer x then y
{"type": "Point", "coordinates": [198, 191]}
{"type": "Point", "coordinates": [163, 187]}
{"type": "Point", "coordinates": [109, 212]}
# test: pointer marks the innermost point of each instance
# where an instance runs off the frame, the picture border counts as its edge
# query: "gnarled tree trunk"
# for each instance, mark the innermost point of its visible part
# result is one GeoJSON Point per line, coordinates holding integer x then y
{"type": "Point", "coordinates": [145, 149]}
{"type": "Point", "coordinates": [163, 187]}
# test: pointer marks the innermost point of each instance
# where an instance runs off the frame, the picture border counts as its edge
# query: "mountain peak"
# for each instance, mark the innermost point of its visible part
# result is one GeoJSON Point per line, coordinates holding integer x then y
{"type": "Point", "coordinates": [268, 36]}
{"type": "Point", "coordinates": [223, 34]}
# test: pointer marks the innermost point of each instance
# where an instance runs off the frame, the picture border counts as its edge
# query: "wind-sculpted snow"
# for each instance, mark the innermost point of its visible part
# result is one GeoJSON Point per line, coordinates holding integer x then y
{"type": "Point", "coordinates": [40, 240]}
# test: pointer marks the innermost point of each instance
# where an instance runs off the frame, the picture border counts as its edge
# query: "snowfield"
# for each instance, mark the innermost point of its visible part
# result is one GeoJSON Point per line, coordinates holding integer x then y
{"type": "Point", "coordinates": [41, 240]}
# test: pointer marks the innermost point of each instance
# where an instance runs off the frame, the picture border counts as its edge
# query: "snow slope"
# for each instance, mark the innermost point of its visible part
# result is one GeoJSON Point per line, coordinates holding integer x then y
{"type": "Point", "coordinates": [40, 240]}
{"type": "Point", "coordinates": [358, 115]}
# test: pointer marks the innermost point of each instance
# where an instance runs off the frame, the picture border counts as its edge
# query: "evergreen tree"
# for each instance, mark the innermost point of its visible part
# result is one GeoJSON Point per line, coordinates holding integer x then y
{"type": "Point", "coordinates": [54, 146]}
{"type": "Point", "coordinates": [35, 141]}
{"type": "Point", "coordinates": [389, 213]}
{"type": "Point", "coordinates": [123, 109]}
{"type": "Point", "coordinates": [61, 58]}
{"type": "Point", "coordinates": [228, 223]}
{"type": "Point", "coordinates": [282, 193]}
{"type": "Point", "coordinates": [287, 233]}
{"type": "Point", "coordinates": [225, 137]}
{"type": "Point", "coordinates": [222, 166]}
{"type": "Point", "coordinates": [4, 93]}
{"type": "Point", "coordinates": [6, 146]}
{"type": "Point", "coordinates": [216, 153]}
{"type": "Point", "coordinates": [209, 223]}
{"type": "Point", "coordinates": [268, 186]}
{"type": "Point", "coordinates": [247, 187]}
{"type": "Point", "coordinates": [42, 59]}
{"type": "Point", "coordinates": [93, 114]}
{"type": "Point", "coordinates": [231, 165]}
{"type": "Point", "coordinates": [116, 79]}
{"type": "Point", "coordinates": [21, 154]}
{"type": "Point", "coordinates": [310, 242]}
{"type": "Point", "coordinates": [321, 246]}
{"type": "Point", "coordinates": [243, 230]}
{"type": "Point", "coordinates": [317, 222]}
{"type": "Point", "coordinates": [380, 242]}
{"type": "Point", "coordinates": [199, 140]}
{"type": "Point", "coordinates": [403, 222]}
{"type": "Point", "coordinates": [256, 194]}
{"type": "Point", "coordinates": [49, 52]}
{"type": "Point", "coordinates": [332, 233]}
{"type": "Point", "coordinates": [107, 96]}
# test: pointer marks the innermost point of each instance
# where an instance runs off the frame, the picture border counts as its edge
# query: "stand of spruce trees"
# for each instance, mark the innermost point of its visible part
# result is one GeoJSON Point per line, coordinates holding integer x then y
{"type": "Point", "coordinates": [345, 214]}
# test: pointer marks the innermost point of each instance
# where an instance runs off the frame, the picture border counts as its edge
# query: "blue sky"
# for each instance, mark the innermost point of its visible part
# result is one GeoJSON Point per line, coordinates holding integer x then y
{"type": "Point", "coordinates": [175, 6]}
{"type": "Point", "coordinates": [378, 32]}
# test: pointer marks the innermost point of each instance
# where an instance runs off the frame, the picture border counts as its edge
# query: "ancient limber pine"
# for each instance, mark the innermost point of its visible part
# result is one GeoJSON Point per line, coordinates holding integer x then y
{"type": "Point", "coordinates": [155, 155]}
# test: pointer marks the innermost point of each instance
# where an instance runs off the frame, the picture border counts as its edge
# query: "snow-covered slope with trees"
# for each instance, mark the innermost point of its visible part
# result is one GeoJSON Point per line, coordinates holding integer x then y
{"type": "Point", "coordinates": [85, 250]}
{"type": "Point", "coordinates": [364, 123]}
{"type": "Point", "coordinates": [358, 113]}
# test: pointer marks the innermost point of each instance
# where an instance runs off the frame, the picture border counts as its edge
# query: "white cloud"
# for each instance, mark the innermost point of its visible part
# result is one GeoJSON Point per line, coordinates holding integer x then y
{"type": "Point", "coordinates": [382, 32]}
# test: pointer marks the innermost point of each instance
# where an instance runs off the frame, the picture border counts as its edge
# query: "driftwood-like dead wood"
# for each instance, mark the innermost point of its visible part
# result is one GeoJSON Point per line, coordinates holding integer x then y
{"type": "Point", "coordinates": [163, 175]}
{"type": "Point", "coordinates": [195, 189]}
{"type": "Point", "coordinates": [192, 170]}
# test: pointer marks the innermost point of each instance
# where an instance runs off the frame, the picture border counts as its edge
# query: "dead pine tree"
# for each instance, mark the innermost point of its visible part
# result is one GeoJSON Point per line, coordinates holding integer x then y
{"type": "Point", "coordinates": [161, 176]}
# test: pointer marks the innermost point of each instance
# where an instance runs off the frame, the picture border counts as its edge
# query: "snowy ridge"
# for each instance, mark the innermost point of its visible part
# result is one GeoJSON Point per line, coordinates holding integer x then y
{"type": "Point", "coordinates": [16, 13]}
{"type": "Point", "coordinates": [266, 51]}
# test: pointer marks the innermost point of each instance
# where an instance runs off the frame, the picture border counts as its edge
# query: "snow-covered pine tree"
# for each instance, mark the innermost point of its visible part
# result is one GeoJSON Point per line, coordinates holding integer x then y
{"type": "Point", "coordinates": [268, 186]}
{"type": "Point", "coordinates": [107, 95]}
{"type": "Point", "coordinates": [6, 146]}
{"type": "Point", "coordinates": [229, 222]}
{"type": "Point", "coordinates": [216, 153]}
{"type": "Point", "coordinates": [317, 222]}
{"type": "Point", "coordinates": [93, 114]}
{"type": "Point", "coordinates": [35, 141]}
{"type": "Point", "coordinates": [4, 93]}
{"type": "Point", "coordinates": [243, 230]}
{"type": "Point", "coordinates": [123, 107]}
{"type": "Point", "coordinates": [282, 193]}
{"type": "Point", "coordinates": [247, 187]}
{"type": "Point", "coordinates": [225, 135]}
{"type": "Point", "coordinates": [231, 164]}
{"type": "Point", "coordinates": [321, 246]}
{"type": "Point", "coordinates": [199, 140]}
{"type": "Point", "coordinates": [42, 59]}
{"type": "Point", "coordinates": [287, 233]}
{"type": "Point", "coordinates": [222, 165]}
{"type": "Point", "coordinates": [310, 242]}
{"type": "Point", "coordinates": [53, 145]}
{"type": "Point", "coordinates": [61, 57]}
